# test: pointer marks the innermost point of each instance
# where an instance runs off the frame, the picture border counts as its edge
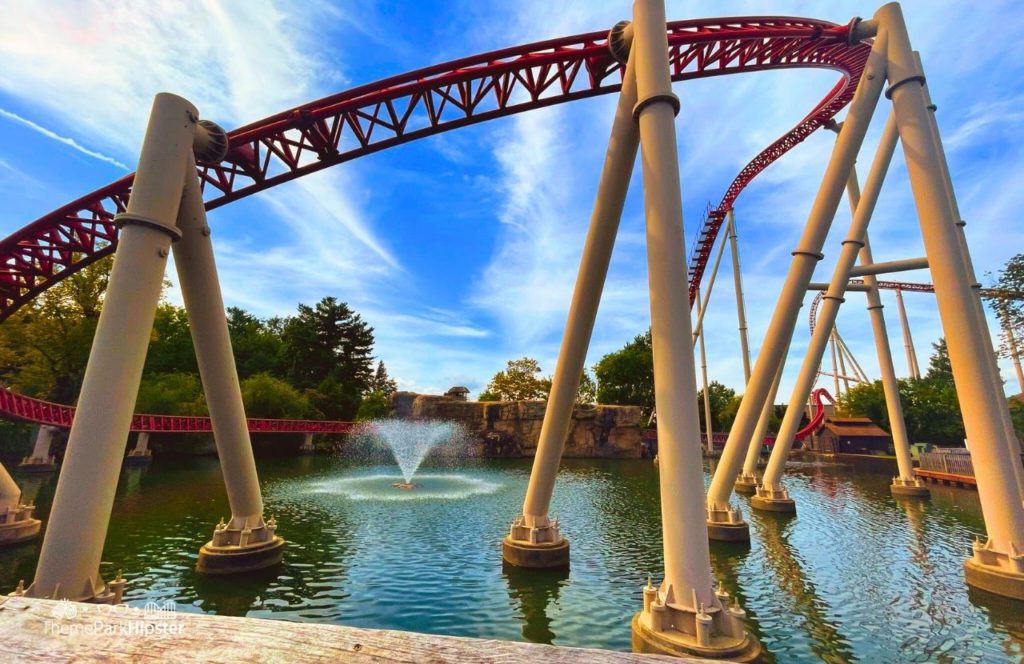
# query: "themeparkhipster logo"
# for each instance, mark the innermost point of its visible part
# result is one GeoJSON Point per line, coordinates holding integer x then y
{"type": "Point", "coordinates": [155, 620]}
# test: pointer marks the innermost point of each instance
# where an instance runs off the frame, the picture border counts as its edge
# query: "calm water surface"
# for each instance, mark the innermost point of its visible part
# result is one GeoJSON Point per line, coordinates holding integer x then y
{"type": "Point", "coordinates": [857, 576]}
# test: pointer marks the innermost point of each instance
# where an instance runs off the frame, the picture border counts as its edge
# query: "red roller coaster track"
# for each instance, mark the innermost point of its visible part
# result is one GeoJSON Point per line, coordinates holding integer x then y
{"type": "Point", "coordinates": [422, 103]}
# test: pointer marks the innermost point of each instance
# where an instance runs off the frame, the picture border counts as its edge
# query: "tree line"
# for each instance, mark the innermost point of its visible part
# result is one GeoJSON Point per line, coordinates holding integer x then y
{"type": "Point", "coordinates": [317, 363]}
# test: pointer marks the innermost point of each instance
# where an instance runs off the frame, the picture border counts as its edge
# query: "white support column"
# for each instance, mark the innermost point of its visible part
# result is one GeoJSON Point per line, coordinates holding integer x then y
{"type": "Point", "coordinates": [686, 614]}
{"type": "Point", "coordinates": [709, 444]}
{"type": "Point", "coordinates": [835, 363]}
{"type": "Point", "coordinates": [69, 561]}
{"type": "Point", "coordinates": [17, 524]}
{"type": "Point", "coordinates": [741, 314]}
{"type": "Point", "coordinates": [246, 542]}
{"type": "Point", "coordinates": [535, 540]}
{"type": "Point", "coordinates": [1011, 341]}
{"type": "Point", "coordinates": [906, 483]}
{"type": "Point", "coordinates": [908, 340]}
{"type": "Point", "coordinates": [41, 461]}
{"type": "Point", "coordinates": [998, 564]}
{"type": "Point", "coordinates": [771, 495]}
{"type": "Point", "coordinates": [307, 444]}
{"type": "Point", "coordinates": [990, 368]}
{"type": "Point", "coordinates": [723, 519]}
{"type": "Point", "coordinates": [141, 454]}
{"type": "Point", "coordinates": [748, 480]}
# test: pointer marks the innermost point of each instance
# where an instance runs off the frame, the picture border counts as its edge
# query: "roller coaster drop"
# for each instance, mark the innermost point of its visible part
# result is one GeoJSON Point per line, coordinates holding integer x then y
{"type": "Point", "coordinates": [686, 614]}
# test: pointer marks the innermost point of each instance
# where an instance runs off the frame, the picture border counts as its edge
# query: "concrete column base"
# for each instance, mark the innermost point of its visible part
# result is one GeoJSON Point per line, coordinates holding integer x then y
{"type": "Point", "coordinates": [543, 555]}
{"type": "Point", "coordinates": [18, 525]}
{"type": "Point", "coordinates": [727, 525]}
{"type": "Point", "coordinates": [307, 451]}
{"type": "Point", "coordinates": [235, 550]}
{"type": "Point", "coordinates": [136, 458]}
{"type": "Point", "coordinates": [995, 572]}
{"type": "Point", "coordinates": [773, 500]}
{"type": "Point", "coordinates": [746, 484]}
{"type": "Point", "coordinates": [915, 487]}
{"type": "Point", "coordinates": [38, 465]}
{"type": "Point", "coordinates": [679, 631]}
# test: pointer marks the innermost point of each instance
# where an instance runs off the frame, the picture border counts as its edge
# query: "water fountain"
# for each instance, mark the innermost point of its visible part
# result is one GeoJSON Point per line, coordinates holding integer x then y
{"type": "Point", "coordinates": [410, 441]}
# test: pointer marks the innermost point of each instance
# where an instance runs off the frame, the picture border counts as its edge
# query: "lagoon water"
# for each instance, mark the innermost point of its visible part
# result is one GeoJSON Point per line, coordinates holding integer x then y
{"type": "Point", "coordinates": [856, 576]}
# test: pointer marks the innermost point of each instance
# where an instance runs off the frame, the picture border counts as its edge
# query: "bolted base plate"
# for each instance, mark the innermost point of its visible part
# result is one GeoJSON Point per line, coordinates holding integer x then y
{"type": "Point", "coordinates": [539, 556]}
{"type": "Point", "coordinates": [17, 532]}
{"type": "Point", "coordinates": [746, 488]}
{"type": "Point", "coordinates": [138, 460]}
{"type": "Point", "coordinates": [773, 504]}
{"type": "Point", "coordinates": [650, 642]}
{"type": "Point", "coordinates": [728, 532]}
{"type": "Point", "coordinates": [234, 560]}
{"type": "Point", "coordinates": [909, 490]}
{"type": "Point", "coordinates": [994, 580]}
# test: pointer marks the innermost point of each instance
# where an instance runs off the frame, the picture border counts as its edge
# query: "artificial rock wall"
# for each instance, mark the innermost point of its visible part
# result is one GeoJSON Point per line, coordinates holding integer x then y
{"type": "Point", "coordinates": [512, 428]}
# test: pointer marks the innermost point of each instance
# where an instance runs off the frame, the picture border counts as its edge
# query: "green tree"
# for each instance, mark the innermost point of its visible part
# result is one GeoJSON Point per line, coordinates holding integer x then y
{"type": "Point", "coordinates": [381, 382]}
{"type": "Point", "coordinates": [374, 406]}
{"type": "Point", "coordinates": [939, 367]}
{"type": "Point", "coordinates": [587, 392]}
{"type": "Point", "coordinates": [170, 344]}
{"type": "Point", "coordinates": [329, 348]}
{"type": "Point", "coordinates": [1007, 298]}
{"type": "Point", "coordinates": [266, 396]}
{"type": "Point", "coordinates": [720, 397]}
{"type": "Point", "coordinates": [256, 343]}
{"type": "Point", "coordinates": [171, 394]}
{"type": "Point", "coordinates": [520, 381]}
{"type": "Point", "coordinates": [626, 376]}
{"type": "Point", "coordinates": [44, 346]}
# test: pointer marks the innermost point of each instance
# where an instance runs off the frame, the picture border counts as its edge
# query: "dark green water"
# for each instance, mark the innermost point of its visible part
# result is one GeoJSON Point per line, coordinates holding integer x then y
{"type": "Point", "coordinates": [857, 576]}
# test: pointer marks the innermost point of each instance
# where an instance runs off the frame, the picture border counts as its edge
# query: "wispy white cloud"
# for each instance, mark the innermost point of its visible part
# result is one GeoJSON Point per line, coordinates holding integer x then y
{"type": "Point", "coordinates": [70, 142]}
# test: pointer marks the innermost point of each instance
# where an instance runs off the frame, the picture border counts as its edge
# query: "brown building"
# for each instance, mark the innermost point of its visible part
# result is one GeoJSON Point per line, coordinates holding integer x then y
{"type": "Point", "coordinates": [852, 435]}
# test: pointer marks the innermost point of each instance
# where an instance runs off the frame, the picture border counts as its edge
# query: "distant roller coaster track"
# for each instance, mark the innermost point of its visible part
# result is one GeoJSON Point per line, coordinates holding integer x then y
{"type": "Point", "coordinates": [415, 105]}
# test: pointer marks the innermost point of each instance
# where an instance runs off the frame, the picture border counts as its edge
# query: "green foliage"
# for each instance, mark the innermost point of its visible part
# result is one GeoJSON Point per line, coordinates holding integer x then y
{"type": "Point", "coordinates": [171, 394]}
{"type": "Point", "coordinates": [381, 382]}
{"type": "Point", "coordinates": [626, 376]}
{"type": "Point", "coordinates": [266, 396]}
{"type": "Point", "coordinates": [170, 344]}
{"type": "Point", "coordinates": [931, 409]}
{"type": "Point", "coordinates": [1007, 299]}
{"type": "Point", "coordinates": [374, 406]}
{"type": "Point", "coordinates": [587, 392]}
{"type": "Point", "coordinates": [721, 397]}
{"type": "Point", "coordinates": [520, 381]}
{"type": "Point", "coordinates": [256, 343]}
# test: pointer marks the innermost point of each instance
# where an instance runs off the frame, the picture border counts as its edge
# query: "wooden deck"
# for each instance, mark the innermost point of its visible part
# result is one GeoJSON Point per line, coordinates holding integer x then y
{"type": "Point", "coordinates": [951, 479]}
{"type": "Point", "coordinates": [36, 630]}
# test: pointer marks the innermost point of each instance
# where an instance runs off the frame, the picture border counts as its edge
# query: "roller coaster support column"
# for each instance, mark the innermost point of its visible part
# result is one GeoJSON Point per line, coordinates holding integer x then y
{"type": "Point", "coordinates": [997, 565]}
{"type": "Point", "coordinates": [771, 495]}
{"type": "Point", "coordinates": [141, 455]}
{"type": "Point", "coordinates": [534, 540]}
{"type": "Point", "coordinates": [835, 363]}
{"type": "Point", "coordinates": [726, 522]}
{"type": "Point", "coordinates": [16, 521]}
{"type": "Point", "coordinates": [41, 460]}
{"type": "Point", "coordinates": [906, 483]}
{"type": "Point", "coordinates": [246, 542]}
{"type": "Point", "coordinates": [709, 433]}
{"type": "Point", "coordinates": [741, 314]}
{"type": "Point", "coordinates": [69, 562]}
{"type": "Point", "coordinates": [991, 368]}
{"type": "Point", "coordinates": [685, 616]}
{"type": "Point", "coordinates": [748, 479]}
{"type": "Point", "coordinates": [908, 340]}
{"type": "Point", "coordinates": [1011, 341]}
{"type": "Point", "coordinates": [307, 445]}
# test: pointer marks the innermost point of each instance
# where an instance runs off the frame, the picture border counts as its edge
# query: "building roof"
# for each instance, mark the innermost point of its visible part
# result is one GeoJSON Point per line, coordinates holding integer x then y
{"type": "Point", "coordinates": [458, 389]}
{"type": "Point", "coordinates": [854, 427]}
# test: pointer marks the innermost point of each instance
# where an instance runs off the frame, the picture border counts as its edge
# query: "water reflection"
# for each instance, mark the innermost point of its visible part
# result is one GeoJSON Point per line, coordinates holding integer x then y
{"type": "Point", "coordinates": [533, 591]}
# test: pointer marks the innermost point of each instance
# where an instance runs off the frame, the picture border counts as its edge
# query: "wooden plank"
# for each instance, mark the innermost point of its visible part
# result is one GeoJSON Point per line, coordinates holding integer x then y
{"type": "Point", "coordinates": [37, 630]}
{"type": "Point", "coordinates": [946, 477]}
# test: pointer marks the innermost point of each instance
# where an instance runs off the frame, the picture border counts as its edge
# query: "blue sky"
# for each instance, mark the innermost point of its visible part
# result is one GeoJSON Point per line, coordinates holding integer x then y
{"type": "Point", "coordinates": [461, 250]}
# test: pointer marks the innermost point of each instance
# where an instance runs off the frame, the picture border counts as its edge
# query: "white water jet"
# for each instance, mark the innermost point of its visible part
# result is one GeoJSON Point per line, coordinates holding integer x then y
{"type": "Point", "coordinates": [411, 440]}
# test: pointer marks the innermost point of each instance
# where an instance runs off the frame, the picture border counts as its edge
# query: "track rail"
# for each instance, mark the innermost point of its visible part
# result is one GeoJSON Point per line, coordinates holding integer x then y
{"type": "Point", "coordinates": [426, 102]}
